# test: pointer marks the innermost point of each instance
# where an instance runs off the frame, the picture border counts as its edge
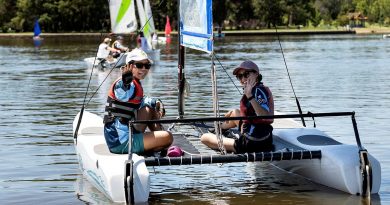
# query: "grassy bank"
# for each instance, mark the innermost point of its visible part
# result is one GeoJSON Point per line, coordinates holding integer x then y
{"type": "Point", "coordinates": [373, 30]}
{"type": "Point", "coordinates": [301, 31]}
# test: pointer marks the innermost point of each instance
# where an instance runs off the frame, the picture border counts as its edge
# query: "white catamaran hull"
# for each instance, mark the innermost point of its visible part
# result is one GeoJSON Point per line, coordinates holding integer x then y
{"type": "Point", "coordinates": [106, 170]}
{"type": "Point", "coordinates": [339, 166]}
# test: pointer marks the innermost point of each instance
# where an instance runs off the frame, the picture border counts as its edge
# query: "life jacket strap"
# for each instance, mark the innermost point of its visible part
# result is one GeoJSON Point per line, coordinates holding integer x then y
{"type": "Point", "coordinates": [115, 108]}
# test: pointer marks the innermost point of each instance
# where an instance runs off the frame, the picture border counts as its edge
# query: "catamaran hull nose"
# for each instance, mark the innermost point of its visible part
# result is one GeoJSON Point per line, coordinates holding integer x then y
{"type": "Point", "coordinates": [103, 169]}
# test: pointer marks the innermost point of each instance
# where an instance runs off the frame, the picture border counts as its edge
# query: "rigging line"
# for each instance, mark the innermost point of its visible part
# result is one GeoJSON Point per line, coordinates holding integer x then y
{"type": "Point", "coordinates": [217, 124]}
{"type": "Point", "coordinates": [85, 97]}
{"type": "Point", "coordinates": [223, 68]}
{"type": "Point", "coordinates": [284, 59]}
{"type": "Point", "coordinates": [113, 67]}
{"type": "Point", "coordinates": [90, 76]}
{"type": "Point", "coordinates": [86, 92]}
{"type": "Point", "coordinates": [289, 77]}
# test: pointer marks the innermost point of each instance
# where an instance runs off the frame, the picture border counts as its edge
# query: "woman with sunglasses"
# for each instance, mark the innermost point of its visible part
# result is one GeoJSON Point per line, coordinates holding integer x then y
{"type": "Point", "coordinates": [255, 135]}
{"type": "Point", "coordinates": [126, 101]}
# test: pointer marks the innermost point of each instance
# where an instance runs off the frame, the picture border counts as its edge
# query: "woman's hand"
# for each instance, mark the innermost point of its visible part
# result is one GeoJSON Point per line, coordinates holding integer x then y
{"type": "Point", "coordinates": [127, 68]}
{"type": "Point", "coordinates": [160, 108]}
{"type": "Point", "coordinates": [250, 83]}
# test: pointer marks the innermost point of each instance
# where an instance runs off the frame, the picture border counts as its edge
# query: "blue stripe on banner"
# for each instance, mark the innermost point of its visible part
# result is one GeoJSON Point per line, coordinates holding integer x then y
{"type": "Point", "coordinates": [207, 36]}
{"type": "Point", "coordinates": [210, 45]}
{"type": "Point", "coordinates": [209, 9]}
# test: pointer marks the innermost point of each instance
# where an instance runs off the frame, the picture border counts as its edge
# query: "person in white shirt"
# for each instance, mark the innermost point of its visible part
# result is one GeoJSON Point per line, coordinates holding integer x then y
{"type": "Point", "coordinates": [103, 53]}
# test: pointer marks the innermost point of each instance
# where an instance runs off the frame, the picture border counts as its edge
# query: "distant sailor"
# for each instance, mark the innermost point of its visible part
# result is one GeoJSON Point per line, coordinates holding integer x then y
{"type": "Point", "coordinates": [103, 53]}
{"type": "Point", "coordinates": [144, 42]}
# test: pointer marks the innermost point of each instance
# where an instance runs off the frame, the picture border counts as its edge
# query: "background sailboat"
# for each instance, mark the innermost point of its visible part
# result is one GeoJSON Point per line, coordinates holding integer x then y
{"type": "Point", "coordinates": [168, 28]}
{"type": "Point", "coordinates": [37, 31]}
{"type": "Point", "coordinates": [147, 20]}
{"type": "Point", "coordinates": [122, 16]}
{"type": "Point", "coordinates": [167, 38]}
{"type": "Point", "coordinates": [124, 21]}
{"type": "Point", "coordinates": [148, 29]}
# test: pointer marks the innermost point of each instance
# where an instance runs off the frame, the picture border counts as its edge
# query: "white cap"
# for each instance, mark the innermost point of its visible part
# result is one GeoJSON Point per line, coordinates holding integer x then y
{"type": "Point", "coordinates": [137, 55]}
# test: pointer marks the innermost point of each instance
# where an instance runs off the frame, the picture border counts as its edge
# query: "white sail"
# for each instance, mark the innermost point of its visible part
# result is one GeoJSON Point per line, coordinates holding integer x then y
{"type": "Point", "coordinates": [146, 26]}
{"type": "Point", "coordinates": [149, 16]}
{"type": "Point", "coordinates": [122, 16]}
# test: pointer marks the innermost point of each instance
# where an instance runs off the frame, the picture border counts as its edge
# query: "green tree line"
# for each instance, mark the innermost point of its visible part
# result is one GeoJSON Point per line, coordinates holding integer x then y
{"type": "Point", "coordinates": [93, 15]}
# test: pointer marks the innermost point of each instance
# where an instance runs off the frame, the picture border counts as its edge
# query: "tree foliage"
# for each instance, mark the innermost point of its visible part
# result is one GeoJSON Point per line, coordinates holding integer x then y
{"type": "Point", "coordinates": [93, 15]}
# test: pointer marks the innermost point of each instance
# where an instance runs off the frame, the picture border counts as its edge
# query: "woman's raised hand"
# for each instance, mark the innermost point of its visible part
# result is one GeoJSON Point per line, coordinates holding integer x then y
{"type": "Point", "coordinates": [250, 83]}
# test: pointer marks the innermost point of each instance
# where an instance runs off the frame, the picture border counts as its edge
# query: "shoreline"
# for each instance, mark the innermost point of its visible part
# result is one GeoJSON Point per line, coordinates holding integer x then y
{"type": "Point", "coordinates": [357, 31]}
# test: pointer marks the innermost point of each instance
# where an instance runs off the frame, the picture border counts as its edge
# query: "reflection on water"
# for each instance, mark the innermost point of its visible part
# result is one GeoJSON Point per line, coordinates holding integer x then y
{"type": "Point", "coordinates": [42, 89]}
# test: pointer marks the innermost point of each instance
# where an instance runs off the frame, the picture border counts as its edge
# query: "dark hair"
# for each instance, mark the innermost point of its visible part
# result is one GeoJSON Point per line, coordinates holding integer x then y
{"type": "Point", "coordinates": [259, 78]}
{"type": "Point", "coordinates": [130, 62]}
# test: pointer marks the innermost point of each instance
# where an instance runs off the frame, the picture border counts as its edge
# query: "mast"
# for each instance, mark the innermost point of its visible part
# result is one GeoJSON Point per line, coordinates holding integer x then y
{"type": "Point", "coordinates": [180, 66]}
{"type": "Point", "coordinates": [195, 32]}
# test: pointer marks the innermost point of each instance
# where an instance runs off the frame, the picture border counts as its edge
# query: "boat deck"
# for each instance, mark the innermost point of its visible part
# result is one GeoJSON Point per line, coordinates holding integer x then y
{"type": "Point", "coordinates": [187, 137]}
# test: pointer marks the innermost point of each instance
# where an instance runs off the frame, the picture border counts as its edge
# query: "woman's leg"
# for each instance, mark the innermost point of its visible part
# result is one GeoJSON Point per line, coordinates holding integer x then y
{"type": "Point", "coordinates": [157, 140]}
{"type": "Point", "coordinates": [211, 141]}
{"type": "Point", "coordinates": [147, 113]}
{"type": "Point", "coordinates": [231, 123]}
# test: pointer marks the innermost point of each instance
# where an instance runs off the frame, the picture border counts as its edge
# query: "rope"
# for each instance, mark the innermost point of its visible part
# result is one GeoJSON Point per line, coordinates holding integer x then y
{"type": "Point", "coordinates": [113, 67]}
{"type": "Point", "coordinates": [217, 124]}
{"type": "Point", "coordinates": [87, 89]}
{"type": "Point", "coordinates": [231, 79]}
{"type": "Point", "coordinates": [289, 77]}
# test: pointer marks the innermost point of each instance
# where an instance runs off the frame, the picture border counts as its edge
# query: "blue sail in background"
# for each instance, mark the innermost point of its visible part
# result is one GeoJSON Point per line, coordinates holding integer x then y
{"type": "Point", "coordinates": [37, 29]}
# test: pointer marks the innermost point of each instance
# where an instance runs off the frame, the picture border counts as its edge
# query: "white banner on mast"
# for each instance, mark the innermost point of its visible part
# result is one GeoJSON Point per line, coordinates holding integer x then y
{"type": "Point", "coordinates": [196, 24]}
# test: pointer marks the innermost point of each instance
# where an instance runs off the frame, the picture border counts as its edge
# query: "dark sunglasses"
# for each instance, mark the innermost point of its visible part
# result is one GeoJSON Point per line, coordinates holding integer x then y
{"type": "Point", "coordinates": [245, 75]}
{"type": "Point", "coordinates": [142, 65]}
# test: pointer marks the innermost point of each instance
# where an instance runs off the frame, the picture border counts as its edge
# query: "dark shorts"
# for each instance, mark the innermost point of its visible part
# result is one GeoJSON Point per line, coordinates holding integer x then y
{"type": "Point", "coordinates": [254, 138]}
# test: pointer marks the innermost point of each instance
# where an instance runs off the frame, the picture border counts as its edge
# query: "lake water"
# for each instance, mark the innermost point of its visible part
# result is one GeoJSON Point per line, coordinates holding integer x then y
{"type": "Point", "coordinates": [42, 89]}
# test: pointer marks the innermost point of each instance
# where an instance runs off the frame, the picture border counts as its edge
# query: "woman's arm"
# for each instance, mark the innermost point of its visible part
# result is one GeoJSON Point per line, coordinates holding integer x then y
{"type": "Point", "coordinates": [122, 93]}
{"type": "Point", "coordinates": [261, 108]}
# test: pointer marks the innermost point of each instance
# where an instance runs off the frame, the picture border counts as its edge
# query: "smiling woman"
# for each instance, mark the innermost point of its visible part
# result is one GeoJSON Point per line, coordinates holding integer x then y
{"type": "Point", "coordinates": [255, 135]}
{"type": "Point", "coordinates": [127, 102]}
